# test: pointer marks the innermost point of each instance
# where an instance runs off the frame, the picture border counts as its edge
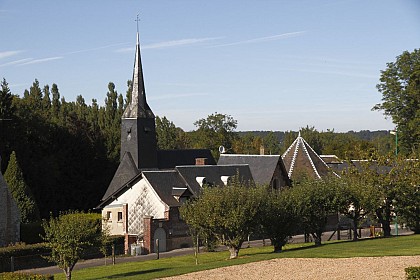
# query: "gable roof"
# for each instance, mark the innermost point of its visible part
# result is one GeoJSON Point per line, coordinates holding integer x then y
{"type": "Point", "coordinates": [126, 171]}
{"type": "Point", "coordinates": [168, 159]}
{"type": "Point", "coordinates": [300, 159]}
{"type": "Point", "coordinates": [164, 182]}
{"type": "Point", "coordinates": [213, 174]}
{"type": "Point", "coordinates": [262, 166]}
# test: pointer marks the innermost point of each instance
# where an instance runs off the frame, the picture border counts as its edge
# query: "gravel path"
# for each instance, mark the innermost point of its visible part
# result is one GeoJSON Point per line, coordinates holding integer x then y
{"type": "Point", "coordinates": [290, 268]}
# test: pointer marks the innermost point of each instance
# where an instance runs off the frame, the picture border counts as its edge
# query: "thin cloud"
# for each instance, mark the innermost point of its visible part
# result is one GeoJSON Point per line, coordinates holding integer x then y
{"type": "Point", "coordinates": [265, 39]}
{"type": "Point", "coordinates": [170, 44]}
{"type": "Point", "coordinates": [8, 54]}
{"type": "Point", "coordinates": [35, 61]}
{"type": "Point", "coordinates": [16, 62]}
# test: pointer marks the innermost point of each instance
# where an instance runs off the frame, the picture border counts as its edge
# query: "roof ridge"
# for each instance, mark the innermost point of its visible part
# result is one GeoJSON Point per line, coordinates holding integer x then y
{"type": "Point", "coordinates": [309, 157]}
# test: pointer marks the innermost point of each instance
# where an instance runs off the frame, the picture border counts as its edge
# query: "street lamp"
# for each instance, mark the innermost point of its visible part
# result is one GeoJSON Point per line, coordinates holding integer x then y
{"type": "Point", "coordinates": [395, 132]}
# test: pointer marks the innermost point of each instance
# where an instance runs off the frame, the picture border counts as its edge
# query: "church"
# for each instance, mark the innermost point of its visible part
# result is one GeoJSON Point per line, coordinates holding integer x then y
{"type": "Point", "coordinates": [142, 200]}
{"type": "Point", "coordinates": [149, 185]}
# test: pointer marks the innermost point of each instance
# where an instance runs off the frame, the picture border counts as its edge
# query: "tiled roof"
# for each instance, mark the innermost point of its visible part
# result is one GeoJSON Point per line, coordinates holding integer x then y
{"type": "Point", "coordinates": [126, 171]}
{"type": "Point", "coordinates": [168, 159]}
{"type": "Point", "coordinates": [262, 166]}
{"type": "Point", "coordinates": [300, 159]}
{"type": "Point", "coordinates": [212, 174]}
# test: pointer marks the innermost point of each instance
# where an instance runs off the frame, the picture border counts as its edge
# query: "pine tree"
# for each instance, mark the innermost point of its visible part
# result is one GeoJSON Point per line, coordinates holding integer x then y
{"type": "Point", "coordinates": [21, 193]}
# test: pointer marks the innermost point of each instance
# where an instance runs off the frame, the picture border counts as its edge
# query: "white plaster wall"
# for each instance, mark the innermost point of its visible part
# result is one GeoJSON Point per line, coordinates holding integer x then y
{"type": "Point", "coordinates": [142, 201]}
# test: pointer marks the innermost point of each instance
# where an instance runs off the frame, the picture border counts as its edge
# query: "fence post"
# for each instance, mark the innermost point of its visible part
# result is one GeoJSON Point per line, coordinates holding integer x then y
{"type": "Point", "coordinates": [12, 264]}
{"type": "Point", "coordinates": [157, 248]}
{"type": "Point", "coordinates": [113, 254]}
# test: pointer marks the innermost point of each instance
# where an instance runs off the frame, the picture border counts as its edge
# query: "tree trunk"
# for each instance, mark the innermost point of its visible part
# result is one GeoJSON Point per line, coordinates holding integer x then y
{"type": "Point", "coordinates": [317, 237]}
{"type": "Point", "coordinates": [234, 251]}
{"type": "Point", "coordinates": [278, 244]}
{"type": "Point", "coordinates": [355, 236]}
{"type": "Point", "coordinates": [67, 272]}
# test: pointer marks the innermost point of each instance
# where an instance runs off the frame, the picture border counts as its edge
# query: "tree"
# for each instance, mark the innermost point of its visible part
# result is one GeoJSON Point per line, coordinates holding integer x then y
{"type": "Point", "coordinates": [169, 136]}
{"type": "Point", "coordinates": [6, 98]}
{"type": "Point", "coordinates": [214, 131]}
{"type": "Point", "coordinates": [229, 213]}
{"type": "Point", "coordinates": [20, 190]}
{"type": "Point", "coordinates": [357, 198]}
{"type": "Point", "coordinates": [315, 200]}
{"type": "Point", "coordinates": [69, 236]}
{"type": "Point", "coordinates": [400, 89]}
{"type": "Point", "coordinates": [280, 217]}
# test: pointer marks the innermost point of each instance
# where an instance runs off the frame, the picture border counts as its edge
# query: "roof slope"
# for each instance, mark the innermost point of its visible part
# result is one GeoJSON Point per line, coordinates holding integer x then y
{"type": "Point", "coordinates": [213, 174]}
{"type": "Point", "coordinates": [126, 171]}
{"type": "Point", "coordinates": [300, 159]}
{"type": "Point", "coordinates": [262, 166]}
{"type": "Point", "coordinates": [164, 182]}
{"type": "Point", "coordinates": [170, 158]}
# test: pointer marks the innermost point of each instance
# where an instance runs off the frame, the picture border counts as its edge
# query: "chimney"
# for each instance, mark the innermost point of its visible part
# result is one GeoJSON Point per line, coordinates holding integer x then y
{"type": "Point", "coordinates": [201, 161]}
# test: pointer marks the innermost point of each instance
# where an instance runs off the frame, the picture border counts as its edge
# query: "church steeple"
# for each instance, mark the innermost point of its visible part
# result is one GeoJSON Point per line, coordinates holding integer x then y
{"type": "Point", "coordinates": [138, 128]}
{"type": "Point", "coordinates": [138, 107]}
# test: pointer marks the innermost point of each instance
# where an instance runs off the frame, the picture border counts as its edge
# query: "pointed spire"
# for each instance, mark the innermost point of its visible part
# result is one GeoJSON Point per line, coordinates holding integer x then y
{"type": "Point", "coordinates": [138, 107]}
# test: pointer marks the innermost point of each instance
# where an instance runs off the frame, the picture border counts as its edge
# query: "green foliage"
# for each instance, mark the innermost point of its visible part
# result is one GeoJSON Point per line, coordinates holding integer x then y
{"type": "Point", "coordinates": [413, 273]}
{"type": "Point", "coordinates": [169, 136]}
{"type": "Point", "coordinates": [69, 236]}
{"type": "Point", "coordinates": [315, 200]}
{"type": "Point", "coordinates": [214, 131]}
{"type": "Point", "coordinates": [24, 276]}
{"type": "Point", "coordinates": [400, 89]}
{"type": "Point", "coordinates": [280, 217]}
{"type": "Point", "coordinates": [229, 213]}
{"type": "Point", "coordinates": [20, 190]}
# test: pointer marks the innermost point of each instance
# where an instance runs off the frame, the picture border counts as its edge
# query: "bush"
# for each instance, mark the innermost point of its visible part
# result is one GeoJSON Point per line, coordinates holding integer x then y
{"type": "Point", "coordinates": [24, 276]}
{"type": "Point", "coordinates": [413, 273]}
{"type": "Point", "coordinates": [25, 256]}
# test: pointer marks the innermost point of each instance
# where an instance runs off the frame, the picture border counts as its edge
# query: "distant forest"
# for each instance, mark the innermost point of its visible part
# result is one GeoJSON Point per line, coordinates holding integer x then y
{"type": "Point", "coordinates": [69, 151]}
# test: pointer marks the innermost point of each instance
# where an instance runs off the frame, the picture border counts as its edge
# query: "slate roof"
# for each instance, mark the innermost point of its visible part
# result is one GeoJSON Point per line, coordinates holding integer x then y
{"type": "Point", "coordinates": [301, 159]}
{"type": "Point", "coordinates": [126, 171]}
{"type": "Point", "coordinates": [164, 182]}
{"type": "Point", "coordinates": [168, 159]}
{"type": "Point", "coordinates": [213, 174]}
{"type": "Point", "coordinates": [262, 166]}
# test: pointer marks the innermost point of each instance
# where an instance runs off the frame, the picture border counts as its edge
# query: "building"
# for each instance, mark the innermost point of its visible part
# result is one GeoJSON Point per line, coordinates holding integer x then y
{"type": "Point", "coordinates": [142, 200]}
{"type": "Point", "coordinates": [265, 169]}
{"type": "Point", "coordinates": [302, 161]}
{"type": "Point", "coordinates": [10, 218]}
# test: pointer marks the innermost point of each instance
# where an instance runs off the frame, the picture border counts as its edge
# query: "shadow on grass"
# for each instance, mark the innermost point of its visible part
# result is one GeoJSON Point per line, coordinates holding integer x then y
{"type": "Point", "coordinates": [134, 273]}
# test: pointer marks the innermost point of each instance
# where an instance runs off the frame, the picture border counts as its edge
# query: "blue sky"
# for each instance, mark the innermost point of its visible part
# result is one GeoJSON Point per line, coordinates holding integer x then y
{"type": "Point", "coordinates": [272, 65]}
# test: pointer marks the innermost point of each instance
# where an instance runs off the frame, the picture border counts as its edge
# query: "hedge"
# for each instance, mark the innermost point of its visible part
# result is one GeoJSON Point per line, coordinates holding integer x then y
{"type": "Point", "coordinates": [24, 276]}
{"type": "Point", "coordinates": [413, 273]}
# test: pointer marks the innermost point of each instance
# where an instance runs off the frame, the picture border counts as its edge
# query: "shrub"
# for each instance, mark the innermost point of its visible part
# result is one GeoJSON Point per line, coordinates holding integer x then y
{"type": "Point", "coordinates": [413, 273]}
{"type": "Point", "coordinates": [24, 276]}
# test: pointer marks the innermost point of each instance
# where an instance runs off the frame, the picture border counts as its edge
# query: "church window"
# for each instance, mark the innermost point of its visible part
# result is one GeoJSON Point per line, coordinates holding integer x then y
{"type": "Point", "coordinates": [108, 215]}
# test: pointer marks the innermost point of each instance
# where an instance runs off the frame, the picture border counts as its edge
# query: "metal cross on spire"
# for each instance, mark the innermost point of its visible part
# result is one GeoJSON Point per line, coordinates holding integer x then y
{"type": "Point", "coordinates": [137, 20]}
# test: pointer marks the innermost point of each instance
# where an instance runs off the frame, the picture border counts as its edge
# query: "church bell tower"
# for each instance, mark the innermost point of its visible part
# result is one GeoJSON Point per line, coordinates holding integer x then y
{"type": "Point", "coordinates": [138, 128]}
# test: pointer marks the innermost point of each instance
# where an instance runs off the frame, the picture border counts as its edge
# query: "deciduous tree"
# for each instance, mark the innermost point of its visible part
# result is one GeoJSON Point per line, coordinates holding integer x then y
{"type": "Point", "coordinates": [69, 236]}
{"type": "Point", "coordinates": [400, 89]}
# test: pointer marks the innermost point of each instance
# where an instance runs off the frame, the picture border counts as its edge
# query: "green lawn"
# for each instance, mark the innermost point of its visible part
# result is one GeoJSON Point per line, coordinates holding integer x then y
{"type": "Point", "coordinates": [395, 246]}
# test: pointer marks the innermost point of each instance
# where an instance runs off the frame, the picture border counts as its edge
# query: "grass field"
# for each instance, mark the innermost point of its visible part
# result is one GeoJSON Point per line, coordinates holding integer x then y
{"type": "Point", "coordinates": [395, 246]}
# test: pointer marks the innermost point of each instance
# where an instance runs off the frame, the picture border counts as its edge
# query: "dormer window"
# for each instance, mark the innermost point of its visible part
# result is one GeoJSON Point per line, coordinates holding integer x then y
{"type": "Point", "coordinates": [201, 181]}
{"type": "Point", "coordinates": [225, 179]}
